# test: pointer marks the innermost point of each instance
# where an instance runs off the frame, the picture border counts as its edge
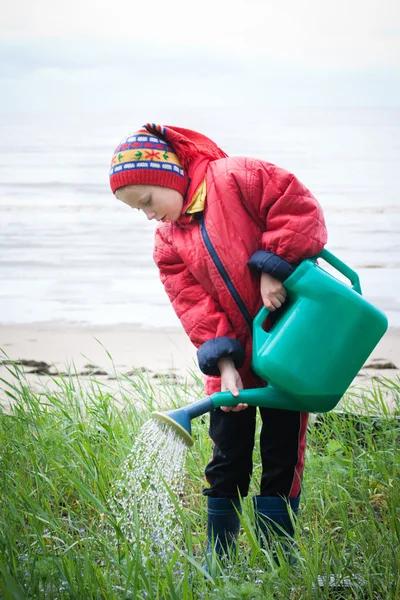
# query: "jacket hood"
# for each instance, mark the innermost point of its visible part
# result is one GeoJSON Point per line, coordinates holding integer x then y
{"type": "Point", "coordinates": [195, 151]}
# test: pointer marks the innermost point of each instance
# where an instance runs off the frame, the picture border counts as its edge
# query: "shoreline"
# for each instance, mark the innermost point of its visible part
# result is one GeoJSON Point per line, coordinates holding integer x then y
{"type": "Point", "coordinates": [106, 351]}
{"type": "Point", "coordinates": [156, 348]}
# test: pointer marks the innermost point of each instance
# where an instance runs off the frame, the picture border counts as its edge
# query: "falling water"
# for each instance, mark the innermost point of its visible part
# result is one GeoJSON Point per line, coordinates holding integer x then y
{"type": "Point", "coordinates": [149, 491]}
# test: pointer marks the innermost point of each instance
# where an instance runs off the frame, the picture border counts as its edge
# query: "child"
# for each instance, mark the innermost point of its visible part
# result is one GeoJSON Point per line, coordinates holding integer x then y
{"type": "Point", "coordinates": [231, 231]}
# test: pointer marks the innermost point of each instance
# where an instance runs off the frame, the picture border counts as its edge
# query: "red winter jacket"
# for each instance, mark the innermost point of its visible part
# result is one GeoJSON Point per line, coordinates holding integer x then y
{"type": "Point", "coordinates": [257, 217]}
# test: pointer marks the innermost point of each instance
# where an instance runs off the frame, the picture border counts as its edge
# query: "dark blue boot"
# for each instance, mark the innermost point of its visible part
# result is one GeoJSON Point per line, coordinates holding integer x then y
{"type": "Point", "coordinates": [223, 525]}
{"type": "Point", "coordinates": [273, 520]}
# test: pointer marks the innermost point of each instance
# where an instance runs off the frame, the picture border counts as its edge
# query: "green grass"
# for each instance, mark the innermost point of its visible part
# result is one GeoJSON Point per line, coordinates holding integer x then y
{"type": "Point", "coordinates": [60, 454]}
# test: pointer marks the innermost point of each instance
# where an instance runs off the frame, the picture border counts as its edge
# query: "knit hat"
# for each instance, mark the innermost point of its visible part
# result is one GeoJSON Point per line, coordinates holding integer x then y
{"type": "Point", "coordinates": [161, 155]}
{"type": "Point", "coordinates": [144, 158]}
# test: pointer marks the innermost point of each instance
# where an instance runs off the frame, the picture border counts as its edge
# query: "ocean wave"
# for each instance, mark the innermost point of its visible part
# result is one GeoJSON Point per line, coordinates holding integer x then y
{"type": "Point", "coordinates": [85, 187]}
{"type": "Point", "coordinates": [374, 209]}
{"type": "Point", "coordinates": [388, 265]}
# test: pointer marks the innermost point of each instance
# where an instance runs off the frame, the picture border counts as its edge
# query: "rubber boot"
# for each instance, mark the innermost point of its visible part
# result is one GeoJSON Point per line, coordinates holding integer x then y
{"type": "Point", "coordinates": [223, 525]}
{"type": "Point", "coordinates": [273, 519]}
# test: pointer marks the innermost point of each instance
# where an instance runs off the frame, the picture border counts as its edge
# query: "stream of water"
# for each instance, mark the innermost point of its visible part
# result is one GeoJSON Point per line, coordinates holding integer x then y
{"type": "Point", "coordinates": [148, 493]}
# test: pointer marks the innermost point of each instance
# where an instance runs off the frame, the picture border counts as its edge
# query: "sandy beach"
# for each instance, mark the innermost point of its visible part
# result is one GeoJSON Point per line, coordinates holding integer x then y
{"type": "Point", "coordinates": [47, 348]}
{"type": "Point", "coordinates": [129, 346]}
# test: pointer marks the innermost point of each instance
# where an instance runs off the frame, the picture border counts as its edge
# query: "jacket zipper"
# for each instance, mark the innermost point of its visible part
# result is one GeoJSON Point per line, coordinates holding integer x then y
{"type": "Point", "coordinates": [224, 274]}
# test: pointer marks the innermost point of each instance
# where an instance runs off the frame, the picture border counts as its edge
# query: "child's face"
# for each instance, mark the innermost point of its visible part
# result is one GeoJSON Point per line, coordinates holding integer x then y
{"type": "Point", "coordinates": [160, 203]}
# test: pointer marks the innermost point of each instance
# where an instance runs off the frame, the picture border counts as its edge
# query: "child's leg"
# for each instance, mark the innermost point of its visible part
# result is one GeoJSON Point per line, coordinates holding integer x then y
{"type": "Point", "coordinates": [228, 475]}
{"type": "Point", "coordinates": [229, 471]}
{"type": "Point", "coordinates": [282, 442]}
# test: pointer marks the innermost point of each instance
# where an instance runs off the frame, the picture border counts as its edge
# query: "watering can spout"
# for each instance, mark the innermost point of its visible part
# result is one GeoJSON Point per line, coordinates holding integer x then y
{"type": "Point", "coordinates": [265, 397]}
{"type": "Point", "coordinates": [180, 418]}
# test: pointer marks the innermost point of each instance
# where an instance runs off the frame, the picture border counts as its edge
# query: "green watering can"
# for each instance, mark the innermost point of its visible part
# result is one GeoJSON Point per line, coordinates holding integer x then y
{"type": "Point", "coordinates": [313, 351]}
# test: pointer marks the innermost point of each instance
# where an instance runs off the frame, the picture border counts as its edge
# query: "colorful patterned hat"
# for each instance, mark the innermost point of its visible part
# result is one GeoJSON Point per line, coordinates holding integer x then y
{"type": "Point", "coordinates": [147, 159]}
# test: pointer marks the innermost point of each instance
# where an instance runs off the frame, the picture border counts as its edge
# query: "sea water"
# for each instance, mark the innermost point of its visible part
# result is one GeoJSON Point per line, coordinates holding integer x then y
{"type": "Point", "coordinates": [147, 496]}
{"type": "Point", "coordinates": [69, 252]}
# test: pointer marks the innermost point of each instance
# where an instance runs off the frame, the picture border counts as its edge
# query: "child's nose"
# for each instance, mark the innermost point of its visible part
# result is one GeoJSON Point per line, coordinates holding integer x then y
{"type": "Point", "coordinates": [151, 216]}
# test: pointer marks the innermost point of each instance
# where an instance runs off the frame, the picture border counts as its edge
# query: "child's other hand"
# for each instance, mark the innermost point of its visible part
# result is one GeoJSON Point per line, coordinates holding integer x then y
{"type": "Point", "coordinates": [272, 292]}
{"type": "Point", "coordinates": [230, 381]}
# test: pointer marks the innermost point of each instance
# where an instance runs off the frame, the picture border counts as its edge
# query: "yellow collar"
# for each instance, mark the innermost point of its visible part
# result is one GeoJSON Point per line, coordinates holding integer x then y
{"type": "Point", "coordinates": [198, 200]}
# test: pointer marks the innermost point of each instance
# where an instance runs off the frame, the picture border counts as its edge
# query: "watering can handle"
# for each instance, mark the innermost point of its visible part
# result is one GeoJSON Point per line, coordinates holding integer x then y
{"type": "Point", "coordinates": [340, 266]}
{"type": "Point", "coordinates": [336, 263]}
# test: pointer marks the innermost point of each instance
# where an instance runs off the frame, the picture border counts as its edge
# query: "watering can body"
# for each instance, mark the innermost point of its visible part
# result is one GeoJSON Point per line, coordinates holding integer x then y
{"type": "Point", "coordinates": [320, 340]}
{"type": "Point", "coordinates": [318, 344]}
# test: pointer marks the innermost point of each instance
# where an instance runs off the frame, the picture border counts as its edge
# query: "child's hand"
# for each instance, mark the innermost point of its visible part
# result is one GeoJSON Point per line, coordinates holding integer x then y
{"type": "Point", "coordinates": [272, 292]}
{"type": "Point", "coordinates": [230, 381]}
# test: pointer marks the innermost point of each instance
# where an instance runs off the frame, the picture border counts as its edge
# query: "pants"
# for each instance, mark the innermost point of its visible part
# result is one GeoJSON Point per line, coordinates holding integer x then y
{"type": "Point", "coordinates": [282, 445]}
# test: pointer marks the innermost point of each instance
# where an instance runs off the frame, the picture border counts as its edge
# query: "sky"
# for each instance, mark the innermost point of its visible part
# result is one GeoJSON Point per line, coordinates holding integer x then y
{"type": "Point", "coordinates": [97, 55]}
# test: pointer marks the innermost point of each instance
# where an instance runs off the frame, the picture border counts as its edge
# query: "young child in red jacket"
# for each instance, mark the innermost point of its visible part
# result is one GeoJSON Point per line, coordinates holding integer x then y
{"type": "Point", "coordinates": [231, 231]}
